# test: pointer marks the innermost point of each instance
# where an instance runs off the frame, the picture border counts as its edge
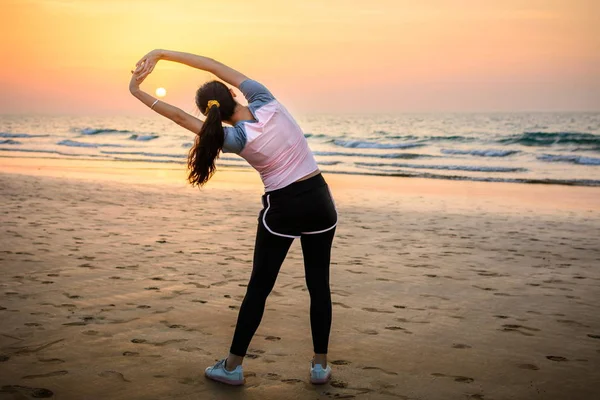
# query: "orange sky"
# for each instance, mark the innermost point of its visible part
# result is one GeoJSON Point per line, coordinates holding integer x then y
{"type": "Point", "coordinates": [74, 56]}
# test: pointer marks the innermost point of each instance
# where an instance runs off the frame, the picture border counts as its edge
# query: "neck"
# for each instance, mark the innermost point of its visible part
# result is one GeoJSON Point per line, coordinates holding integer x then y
{"type": "Point", "coordinates": [241, 113]}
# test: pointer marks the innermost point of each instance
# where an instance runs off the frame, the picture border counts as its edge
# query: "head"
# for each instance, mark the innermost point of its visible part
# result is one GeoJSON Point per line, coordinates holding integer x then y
{"type": "Point", "coordinates": [209, 141]}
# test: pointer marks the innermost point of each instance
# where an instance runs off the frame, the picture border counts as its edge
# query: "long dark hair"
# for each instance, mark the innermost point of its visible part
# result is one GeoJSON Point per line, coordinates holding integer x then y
{"type": "Point", "coordinates": [209, 141]}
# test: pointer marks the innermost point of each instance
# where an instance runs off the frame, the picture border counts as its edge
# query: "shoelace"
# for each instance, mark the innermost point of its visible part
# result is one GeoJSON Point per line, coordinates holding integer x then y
{"type": "Point", "coordinates": [219, 363]}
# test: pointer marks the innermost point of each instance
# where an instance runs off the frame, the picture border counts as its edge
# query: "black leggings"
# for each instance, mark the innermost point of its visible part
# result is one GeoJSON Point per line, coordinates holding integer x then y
{"type": "Point", "coordinates": [302, 210]}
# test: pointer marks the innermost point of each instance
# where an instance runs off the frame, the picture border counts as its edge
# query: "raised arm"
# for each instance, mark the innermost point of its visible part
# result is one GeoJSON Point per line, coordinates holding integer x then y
{"type": "Point", "coordinates": [175, 114]}
{"type": "Point", "coordinates": [222, 71]}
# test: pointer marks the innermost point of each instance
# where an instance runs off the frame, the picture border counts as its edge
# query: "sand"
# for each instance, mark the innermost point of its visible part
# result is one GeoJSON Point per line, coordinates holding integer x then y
{"type": "Point", "coordinates": [120, 282]}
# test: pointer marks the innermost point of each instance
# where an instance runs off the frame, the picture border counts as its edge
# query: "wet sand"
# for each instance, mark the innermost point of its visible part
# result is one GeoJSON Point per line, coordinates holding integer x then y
{"type": "Point", "coordinates": [123, 283]}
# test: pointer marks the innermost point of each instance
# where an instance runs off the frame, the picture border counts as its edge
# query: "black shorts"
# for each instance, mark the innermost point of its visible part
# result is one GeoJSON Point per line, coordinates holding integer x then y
{"type": "Point", "coordinates": [302, 208]}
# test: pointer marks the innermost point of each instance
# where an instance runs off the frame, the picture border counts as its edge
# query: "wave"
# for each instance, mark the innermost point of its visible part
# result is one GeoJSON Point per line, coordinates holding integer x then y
{"type": "Point", "coordinates": [451, 138]}
{"type": "Point", "coordinates": [357, 144]}
{"type": "Point", "coordinates": [73, 143]}
{"type": "Point", "coordinates": [329, 162]}
{"type": "Point", "coordinates": [473, 168]}
{"type": "Point", "coordinates": [9, 141]}
{"type": "Point", "coordinates": [219, 163]}
{"type": "Point", "coordinates": [143, 153]}
{"type": "Point", "coordinates": [314, 135]}
{"type": "Point", "coordinates": [142, 137]}
{"type": "Point", "coordinates": [391, 155]}
{"type": "Point", "coordinates": [20, 135]}
{"type": "Point", "coordinates": [552, 138]}
{"type": "Point", "coordinates": [481, 153]}
{"type": "Point", "coordinates": [151, 160]}
{"type": "Point", "coordinates": [569, 159]}
{"type": "Point", "coordinates": [99, 131]}
{"type": "Point", "coordinates": [60, 153]}
{"type": "Point", "coordinates": [567, 182]}
{"type": "Point", "coordinates": [164, 155]}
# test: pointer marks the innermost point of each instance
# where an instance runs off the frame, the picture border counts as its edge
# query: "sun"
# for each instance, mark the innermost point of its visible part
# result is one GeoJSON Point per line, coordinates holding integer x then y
{"type": "Point", "coordinates": [161, 92]}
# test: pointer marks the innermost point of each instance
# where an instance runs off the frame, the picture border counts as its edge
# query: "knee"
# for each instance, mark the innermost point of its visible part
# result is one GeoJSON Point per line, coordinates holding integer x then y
{"type": "Point", "coordinates": [257, 293]}
{"type": "Point", "coordinates": [319, 290]}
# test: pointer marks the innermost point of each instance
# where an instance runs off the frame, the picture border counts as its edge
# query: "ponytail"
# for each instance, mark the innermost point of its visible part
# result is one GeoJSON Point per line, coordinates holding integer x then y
{"type": "Point", "coordinates": [206, 148]}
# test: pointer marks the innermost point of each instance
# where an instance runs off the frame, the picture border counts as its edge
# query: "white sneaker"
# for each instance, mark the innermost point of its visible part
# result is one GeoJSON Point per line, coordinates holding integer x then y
{"type": "Point", "coordinates": [318, 375]}
{"type": "Point", "coordinates": [218, 373]}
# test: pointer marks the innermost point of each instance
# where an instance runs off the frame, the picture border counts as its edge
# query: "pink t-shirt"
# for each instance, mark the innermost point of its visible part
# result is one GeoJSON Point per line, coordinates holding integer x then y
{"type": "Point", "coordinates": [273, 143]}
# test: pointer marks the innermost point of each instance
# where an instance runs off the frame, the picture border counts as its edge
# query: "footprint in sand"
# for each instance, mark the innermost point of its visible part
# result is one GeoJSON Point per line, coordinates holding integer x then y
{"type": "Point", "coordinates": [572, 323]}
{"type": "Point", "coordinates": [556, 358]}
{"type": "Point", "coordinates": [51, 360]}
{"type": "Point", "coordinates": [461, 379]}
{"type": "Point", "coordinates": [340, 362]}
{"type": "Point", "coordinates": [375, 310]}
{"type": "Point", "coordinates": [158, 344]}
{"type": "Point", "coordinates": [339, 395]}
{"type": "Point", "coordinates": [335, 303]}
{"type": "Point", "coordinates": [460, 346]}
{"type": "Point", "coordinates": [380, 369]}
{"type": "Point", "coordinates": [411, 321]}
{"type": "Point", "coordinates": [518, 328]}
{"type": "Point", "coordinates": [593, 336]}
{"type": "Point", "coordinates": [398, 328]}
{"type": "Point", "coordinates": [195, 380]}
{"type": "Point", "coordinates": [197, 285]}
{"type": "Point", "coordinates": [272, 338]}
{"type": "Point", "coordinates": [113, 375]}
{"type": "Point", "coordinates": [367, 331]}
{"type": "Point", "coordinates": [336, 383]}
{"type": "Point", "coordinates": [291, 380]}
{"type": "Point", "coordinates": [49, 374]}
{"type": "Point", "coordinates": [38, 393]}
{"type": "Point", "coordinates": [130, 267]}
{"type": "Point", "coordinates": [489, 289]}
{"type": "Point", "coordinates": [530, 367]}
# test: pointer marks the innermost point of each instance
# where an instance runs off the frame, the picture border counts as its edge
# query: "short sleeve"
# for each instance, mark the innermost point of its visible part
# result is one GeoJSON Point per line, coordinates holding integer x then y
{"type": "Point", "coordinates": [256, 93]}
{"type": "Point", "coordinates": [235, 139]}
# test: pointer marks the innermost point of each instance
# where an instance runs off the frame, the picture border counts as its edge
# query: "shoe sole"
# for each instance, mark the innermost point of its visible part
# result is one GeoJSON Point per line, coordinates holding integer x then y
{"type": "Point", "coordinates": [320, 381]}
{"type": "Point", "coordinates": [225, 381]}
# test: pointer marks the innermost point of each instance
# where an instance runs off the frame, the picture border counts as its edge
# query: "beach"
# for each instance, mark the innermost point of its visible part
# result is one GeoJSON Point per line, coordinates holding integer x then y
{"type": "Point", "coordinates": [119, 281]}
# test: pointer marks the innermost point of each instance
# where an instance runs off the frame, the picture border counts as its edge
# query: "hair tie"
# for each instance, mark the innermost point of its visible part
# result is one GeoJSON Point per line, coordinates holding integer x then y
{"type": "Point", "coordinates": [212, 103]}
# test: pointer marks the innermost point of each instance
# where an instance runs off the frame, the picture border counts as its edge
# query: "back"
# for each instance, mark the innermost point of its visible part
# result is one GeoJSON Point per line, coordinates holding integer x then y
{"type": "Point", "coordinates": [273, 144]}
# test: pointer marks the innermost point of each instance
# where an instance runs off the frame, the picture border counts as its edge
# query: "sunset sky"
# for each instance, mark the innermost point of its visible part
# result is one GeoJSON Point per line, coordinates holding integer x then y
{"type": "Point", "coordinates": [74, 56]}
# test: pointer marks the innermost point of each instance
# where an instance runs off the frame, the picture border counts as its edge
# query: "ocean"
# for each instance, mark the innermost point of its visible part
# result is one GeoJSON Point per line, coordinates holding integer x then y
{"type": "Point", "coordinates": [529, 148]}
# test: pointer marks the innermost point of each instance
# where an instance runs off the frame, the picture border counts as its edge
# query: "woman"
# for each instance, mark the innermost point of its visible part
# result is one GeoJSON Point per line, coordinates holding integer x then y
{"type": "Point", "coordinates": [297, 202]}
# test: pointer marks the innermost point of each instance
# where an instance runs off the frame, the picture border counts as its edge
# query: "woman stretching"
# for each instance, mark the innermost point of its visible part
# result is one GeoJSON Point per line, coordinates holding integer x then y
{"type": "Point", "coordinates": [297, 202]}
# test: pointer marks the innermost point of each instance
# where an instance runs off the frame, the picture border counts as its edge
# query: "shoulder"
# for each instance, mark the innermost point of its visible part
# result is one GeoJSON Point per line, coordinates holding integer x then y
{"type": "Point", "coordinates": [256, 94]}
